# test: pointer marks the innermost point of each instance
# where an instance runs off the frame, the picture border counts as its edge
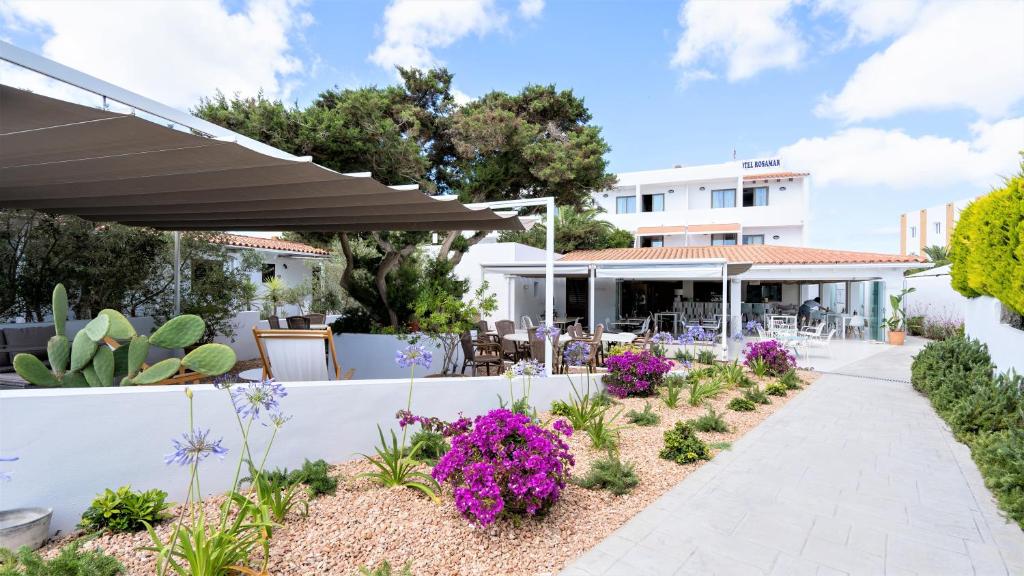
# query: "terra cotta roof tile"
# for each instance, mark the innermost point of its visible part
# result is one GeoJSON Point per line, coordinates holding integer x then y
{"type": "Point", "coordinates": [755, 254]}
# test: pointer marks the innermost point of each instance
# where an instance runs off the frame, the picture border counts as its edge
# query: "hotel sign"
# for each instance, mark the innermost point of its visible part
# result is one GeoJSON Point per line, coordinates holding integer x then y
{"type": "Point", "coordinates": [766, 163]}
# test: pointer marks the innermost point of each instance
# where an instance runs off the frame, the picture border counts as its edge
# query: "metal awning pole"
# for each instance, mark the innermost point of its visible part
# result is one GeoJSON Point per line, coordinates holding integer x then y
{"type": "Point", "coordinates": [177, 272]}
{"type": "Point", "coordinates": [549, 279]}
{"type": "Point", "coordinates": [725, 310]}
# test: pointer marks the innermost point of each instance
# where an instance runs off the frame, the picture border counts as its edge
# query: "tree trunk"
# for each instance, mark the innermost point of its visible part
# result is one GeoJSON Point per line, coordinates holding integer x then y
{"type": "Point", "coordinates": [392, 259]}
{"type": "Point", "coordinates": [456, 255]}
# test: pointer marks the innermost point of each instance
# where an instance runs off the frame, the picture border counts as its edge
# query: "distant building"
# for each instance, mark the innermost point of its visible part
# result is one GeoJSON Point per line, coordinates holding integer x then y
{"type": "Point", "coordinates": [738, 202]}
{"type": "Point", "coordinates": [929, 226]}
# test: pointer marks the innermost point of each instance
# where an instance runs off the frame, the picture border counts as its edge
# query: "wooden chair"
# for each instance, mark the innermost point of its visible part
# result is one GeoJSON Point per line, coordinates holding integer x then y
{"type": "Point", "coordinates": [509, 349]}
{"type": "Point", "coordinates": [596, 346]}
{"type": "Point", "coordinates": [316, 318]}
{"type": "Point", "coordinates": [297, 322]}
{"type": "Point", "coordinates": [477, 354]}
{"type": "Point", "coordinates": [274, 321]}
{"type": "Point", "coordinates": [298, 355]}
{"type": "Point", "coordinates": [537, 350]}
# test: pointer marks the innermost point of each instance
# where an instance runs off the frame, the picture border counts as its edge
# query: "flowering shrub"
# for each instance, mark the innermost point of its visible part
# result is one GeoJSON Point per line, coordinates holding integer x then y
{"type": "Point", "coordinates": [772, 353]}
{"type": "Point", "coordinates": [634, 373]}
{"type": "Point", "coordinates": [506, 464]}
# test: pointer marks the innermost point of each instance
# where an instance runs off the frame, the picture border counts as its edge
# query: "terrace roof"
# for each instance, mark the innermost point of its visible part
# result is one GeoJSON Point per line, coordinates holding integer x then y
{"type": "Point", "coordinates": [65, 158]}
{"type": "Point", "coordinates": [754, 254]}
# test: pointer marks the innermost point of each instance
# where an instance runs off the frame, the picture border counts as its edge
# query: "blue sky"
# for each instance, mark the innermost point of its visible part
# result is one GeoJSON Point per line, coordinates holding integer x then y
{"type": "Point", "coordinates": [892, 106]}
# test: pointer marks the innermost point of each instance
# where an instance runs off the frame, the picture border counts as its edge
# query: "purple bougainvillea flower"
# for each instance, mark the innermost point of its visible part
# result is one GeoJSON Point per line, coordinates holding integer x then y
{"type": "Point", "coordinates": [414, 355]}
{"type": "Point", "coordinates": [634, 373]}
{"type": "Point", "coordinates": [193, 448]}
{"type": "Point", "coordinates": [773, 353]}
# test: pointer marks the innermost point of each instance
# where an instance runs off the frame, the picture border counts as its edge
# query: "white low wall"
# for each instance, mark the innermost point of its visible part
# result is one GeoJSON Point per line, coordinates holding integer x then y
{"type": "Point", "coordinates": [373, 356]}
{"type": "Point", "coordinates": [73, 443]}
{"type": "Point", "coordinates": [242, 343]}
{"type": "Point", "coordinates": [1005, 343]}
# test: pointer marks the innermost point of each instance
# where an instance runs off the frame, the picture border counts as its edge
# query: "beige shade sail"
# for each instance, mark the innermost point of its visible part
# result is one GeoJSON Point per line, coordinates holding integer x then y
{"type": "Point", "coordinates": [65, 158]}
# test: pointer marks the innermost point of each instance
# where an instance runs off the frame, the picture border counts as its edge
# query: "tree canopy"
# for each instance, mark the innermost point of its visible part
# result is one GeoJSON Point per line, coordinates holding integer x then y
{"type": "Point", "coordinates": [574, 230]}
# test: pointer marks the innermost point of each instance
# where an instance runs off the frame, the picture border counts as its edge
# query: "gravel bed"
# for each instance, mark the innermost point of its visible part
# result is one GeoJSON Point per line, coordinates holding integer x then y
{"type": "Point", "coordinates": [364, 524]}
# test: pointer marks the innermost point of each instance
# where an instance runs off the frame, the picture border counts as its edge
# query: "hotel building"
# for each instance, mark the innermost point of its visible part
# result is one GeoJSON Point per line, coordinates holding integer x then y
{"type": "Point", "coordinates": [929, 226]}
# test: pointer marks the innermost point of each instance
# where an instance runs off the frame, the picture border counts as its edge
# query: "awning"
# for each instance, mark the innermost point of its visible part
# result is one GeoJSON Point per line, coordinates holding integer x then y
{"type": "Point", "coordinates": [712, 228]}
{"type": "Point", "coordinates": [683, 272]}
{"type": "Point", "coordinates": [660, 230]}
{"type": "Point", "coordinates": [65, 158]}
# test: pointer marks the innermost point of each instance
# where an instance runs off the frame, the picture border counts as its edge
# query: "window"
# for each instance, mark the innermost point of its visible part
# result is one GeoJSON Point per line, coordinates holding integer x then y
{"type": "Point", "coordinates": [269, 271]}
{"type": "Point", "coordinates": [913, 231]}
{"type": "Point", "coordinates": [723, 198]}
{"type": "Point", "coordinates": [203, 269]}
{"type": "Point", "coordinates": [753, 238]}
{"type": "Point", "coordinates": [938, 227]}
{"type": "Point", "coordinates": [723, 239]}
{"type": "Point", "coordinates": [755, 196]}
{"type": "Point", "coordinates": [654, 202]}
{"type": "Point", "coordinates": [625, 205]}
{"type": "Point", "coordinates": [652, 241]}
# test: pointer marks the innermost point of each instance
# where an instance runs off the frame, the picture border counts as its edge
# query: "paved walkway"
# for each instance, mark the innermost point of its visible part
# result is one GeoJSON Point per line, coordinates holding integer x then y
{"type": "Point", "coordinates": [857, 475]}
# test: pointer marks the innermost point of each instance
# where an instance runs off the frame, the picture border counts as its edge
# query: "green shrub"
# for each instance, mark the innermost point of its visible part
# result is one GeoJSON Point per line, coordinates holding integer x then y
{"type": "Point", "coordinates": [706, 357]}
{"type": "Point", "coordinates": [71, 561]}
{"type": "Point", "coordinates": [385, 569]}
{"type": "Point", "coordinates": [609, 473]}
{"type": "Point", "coordinates": [732, 373]}
{"type": "Point", "coordinates": [790, 380]}
{"type": "Point", "coordinates": [759, 366]}
{"type": "Point", "coordinates": [673, 390]}
{"type": "Point", "coordinates": [1000, 457]}
{"type": "Point", "coordinates": [957, 355]}
{"type": "Point", "coordinates": [646, 418]}
{"type": "Point", "coordinates": [315, 475]}
{"type": "Point", "coordinates": [603, 433]}
{"type": "Point", "coordinates": [702, 390]}
{"type": "Point", "coordinates": [710, 422]}
{"type": "Point", "coordinates": [776, 389]}
{"type": "Point", "coordinates": [994, 404]}
{"type": "Point", "coordinates": [682, 445]}
{"type": "Point", "coordinates": [756, 395]}
{"type": "Point", "coordinates": [560, 408]}
{"type": "Point", "coordinates": [125, 510]}
{"type": "Point", "coordinates": [683, 356]}
{"type": "Point", "coordinates": [432, 445]}
{"type": "Point", "coordinates": [741, 404]}
{"type": "Point", "coordinates": [987, 246]}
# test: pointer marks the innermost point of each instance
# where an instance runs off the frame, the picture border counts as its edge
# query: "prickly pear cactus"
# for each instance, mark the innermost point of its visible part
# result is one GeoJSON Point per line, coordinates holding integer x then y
{"type": "Point", "coordinates": [88, 359]}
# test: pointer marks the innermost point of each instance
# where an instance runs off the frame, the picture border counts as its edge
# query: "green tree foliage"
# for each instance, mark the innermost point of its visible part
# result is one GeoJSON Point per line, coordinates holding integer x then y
{"type": "Point", "coordinates": [987, 250]}
{"type": "Point", "coordinates": [575, 229]}
{"type": "Point", "coordinates": [443, 314]}
{"type": "Point", "coordinates": [534, 143]}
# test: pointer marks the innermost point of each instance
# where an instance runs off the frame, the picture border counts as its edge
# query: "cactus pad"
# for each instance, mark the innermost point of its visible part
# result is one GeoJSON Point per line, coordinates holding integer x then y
{"type": "Point", "coordinates": [210, 359]}
{"type": "Point", "coordinates": [74, 380]}
{"type": "Point", "coordinates": [58, 351]}
{"type": "Point", "coordinates": [179, 332]}
{"type": "Point", "coordinates": [103, 365]}
{"type": "Point", "coordinates": [120, 327]}
{"type": "Point", "coordinates": [162, 370]}
{"type": "Point", "coordinates": [82, 350]}
{"type": "Point", "coordinates": [97, 328]}
{"type": "Point", "coordinates": [60, 308]}
{"type": "Point", "coordinates": [137, 352]}
{"type": "Point", "coordinates": [34, 371]}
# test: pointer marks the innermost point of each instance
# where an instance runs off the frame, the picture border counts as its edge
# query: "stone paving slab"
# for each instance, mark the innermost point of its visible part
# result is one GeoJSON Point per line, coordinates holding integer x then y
{"type": "Point", "coordinates": [857, 475]}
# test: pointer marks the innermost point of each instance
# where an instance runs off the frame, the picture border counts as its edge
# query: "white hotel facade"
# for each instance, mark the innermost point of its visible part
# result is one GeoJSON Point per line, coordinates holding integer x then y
{"type": "Point", "coordinates": [740, 202]}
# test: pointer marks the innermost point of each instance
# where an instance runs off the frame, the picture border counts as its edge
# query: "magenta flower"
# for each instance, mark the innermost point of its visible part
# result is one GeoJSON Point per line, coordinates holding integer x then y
{"type": "Point", "coordinates": [634, 373]}
{"type": "Point", "coordinates": [774, 354]}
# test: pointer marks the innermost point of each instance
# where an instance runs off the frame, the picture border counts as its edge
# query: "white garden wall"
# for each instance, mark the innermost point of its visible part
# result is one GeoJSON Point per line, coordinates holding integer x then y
{"type": "Point", "coordinates": [73, 443]}
{"type": "Point", "coordinates": [1005, 343]}
{"type": "Point", "coordinates": [934, 297]}
{"type": "Point", "coordinates": [373, 356]}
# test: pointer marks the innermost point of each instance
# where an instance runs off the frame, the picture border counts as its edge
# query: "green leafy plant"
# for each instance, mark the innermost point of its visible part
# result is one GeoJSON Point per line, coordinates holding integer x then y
{"type": "Point", "coordinates": [756, 395]}
{"type": "Point", "coordinates": [385, 569]}
{"type": "Point", "coordinates": [759, 367]}
{"type": "Point", "coordinates": [1000, 457]}
{"type": "Point", "coordinates": [720, 445]}
{"type": "Point", "coordinates": [125, 510]}
{"type": "Point", "coordinates": [603, 432]}
{"type": "Point", "coordinates": [444, 316]}
{"type": "Point", "coordinates": [776, 389]}
{"type": "Point", "coordinates": [646, 418]}
{"type": "Point", "coordinates": [897, 320]}
{"type": "Point", "coordinates": [609, 473]}
{"type": "Point", "coordinates": [992, 405]}
{"type": "Point", "coordinates": [70, 561]}
{"type": "Point", "coordinates": [581, 409]}
{"type": "Point", "coordinates": [703, 390]}
{"type": "Point", "coordinates": [790, 380]}
{"type": "Point", "coordinates": [731, 373]}
{"type": "Point", "coordinates": [89, 359]}
{"type": "Point", "coordinates": [432, 445]}
{"type": "Point", "coordinates": [741, 404]}
{"type": "Point", "coordinates": [316, 476]}
{"type": "Point", "coordinates": [278, 499]}
{"type": "Point", "coordinates": [682, 355]}
{"type": "Point", "coordinates": [706, 357]}
{"type": "Point", "coordinates": [682, 445]}
{"type": "Point", "coordinates": [396, 468]}
{"type": "Point", "coordinates": [673, 390]}
{"type": "Point", "coordinates": [710, 422]}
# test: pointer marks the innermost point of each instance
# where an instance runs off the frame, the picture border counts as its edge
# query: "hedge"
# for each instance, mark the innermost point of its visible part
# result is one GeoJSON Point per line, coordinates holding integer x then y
{"type": "Point", "coordinates": [987, 246]}
{"type": "Point", "coordinates": [985, 411]}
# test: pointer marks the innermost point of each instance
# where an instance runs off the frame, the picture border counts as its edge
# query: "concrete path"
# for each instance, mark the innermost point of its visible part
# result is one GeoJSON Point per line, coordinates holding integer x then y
{"type": "Point", "coordinates": [857, 475]}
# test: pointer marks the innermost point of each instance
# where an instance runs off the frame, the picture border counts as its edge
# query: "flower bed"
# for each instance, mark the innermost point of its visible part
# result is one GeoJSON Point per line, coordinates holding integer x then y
{"type": "Point", "coordinates": [634, 373]}
{"type": "Point", "coordinates": [774, 355]}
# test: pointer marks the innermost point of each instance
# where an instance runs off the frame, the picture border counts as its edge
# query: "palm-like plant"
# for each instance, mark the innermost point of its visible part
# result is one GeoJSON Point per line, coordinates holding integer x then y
{"type": "Point", "coordinates": [939, 255]}
{"type": "Point", "coordinates": [275, 292]}
{"type": "Point", "coordinates": [575, 229]}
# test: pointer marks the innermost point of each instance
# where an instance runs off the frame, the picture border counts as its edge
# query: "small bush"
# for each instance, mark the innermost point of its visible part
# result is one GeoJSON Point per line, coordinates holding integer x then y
{"type": "Point", "coordinates": [772, 353]}
{"type": "Point", "coordinates": [1000, 457]}
{"type": "Point", "coordinates": [756, 395]}
{"type": "Point", "coordinates": [790, 380]}
{"type": "Point", "coordinates": [432, 445]}
{"type": "Point", "coordinates": [385, 569]}
{"type": "Point", "coordinates": [673, 391]}
{"type": "Point", "coordinates": [682, 445]}
{"type": "Point", "coordinates": [703, 390]}
{"type": "Point", "coordinates": [580, 410]}
{"type": "Point", "coordinates": [560, 408]}
{"type": "Point", "coordinates": [71, 561]}
{"type": "Point", "coordinates": [776, 389]}
{"type": "Point", "coordinates": [740, 404]}
{"type": "Point", "coordinates": [609, 473]}
{"type": "Point", "coordinates": [683, 356]}
{"type": "Point", "coordinates": [646, 418]}
{"type": "Point", "coordinates": [125, 510]}
{"type": "Point", "coordinates": [710, 422]}
{"type": "Point", "coordinates": [731, 374]}
{"type": "Point", "coordinates": [316, 476]}
{"type": "Point", "coordinates": [634, 374]}
{"type": "Point", "coordinates": [759, 367]}
{"type": "Point", "coordinates": [994, 404]}
{"type": "Point", "coordinates": [706, 357]}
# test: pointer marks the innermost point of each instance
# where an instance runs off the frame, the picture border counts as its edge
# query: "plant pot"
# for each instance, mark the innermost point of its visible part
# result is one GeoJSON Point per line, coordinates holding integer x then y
{"type": "Point", "coordinates": [896, 337]}
{"type": "Point", "coordinates": [24, 527]}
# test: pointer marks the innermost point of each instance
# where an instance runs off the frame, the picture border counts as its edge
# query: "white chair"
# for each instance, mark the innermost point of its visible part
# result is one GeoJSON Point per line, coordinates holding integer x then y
{"type": "Point", "coordinates": [813, 331]}
{"type": "Point", "coordinates": [526, 322]}
{"type": "Point", "coordinates": [819, 342]}
{"type": "Point", "coordinates": [298, 355]}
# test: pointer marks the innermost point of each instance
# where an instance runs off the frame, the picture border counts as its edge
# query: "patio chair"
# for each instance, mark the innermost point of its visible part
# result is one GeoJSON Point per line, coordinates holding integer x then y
{"type": "Point", "coordinates": [643, 341]}
{"type": "Point", "coordinates": [576, 331]}
{"type": "Point", "coordinates": [298, 355]}
{"type": "Point", "coordinates": [479, 353]}
{"type": "Point", "coordinates": [274, 321]}
{"type": "Point", "coordinates": [537, 345]}
{"type": "Point", "coordinates": [596, 346]}
{"type": "Point", "coordinates": [813, 331]}
{"type": "Point", "coordinates": [316, 318]}
{"type": "Point", "coordinates": [526, 322]}
{"type": "Point", "coordinates": [646, 326]}
{"type": "Point", "coordinates": [819, 342]}
{"type": "Point", "coordinates": [297, 322]}
{"type": "Point", "coordinates": [509, 348]}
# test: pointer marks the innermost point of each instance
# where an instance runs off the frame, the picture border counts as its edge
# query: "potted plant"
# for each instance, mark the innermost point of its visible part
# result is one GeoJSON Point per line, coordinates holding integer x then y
{"type": "Point", "coordinates": [897, 320]}
{"type": "Point", "coordinates": [23, 526]}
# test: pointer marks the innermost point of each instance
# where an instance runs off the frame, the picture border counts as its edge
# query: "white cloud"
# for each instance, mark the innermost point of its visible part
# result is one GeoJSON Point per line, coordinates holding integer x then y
{"type": "Point", "coordinates": [956, 55]}
{"type": "Point", "coordinates": [872, 20]}
{"type": "Point", "coordinates": [747, 36]}
{"type": "Point", "coordinates": [894, 160]}
{"type": "Point", "coordinates": [461, 98]}
{"type": "Point", "coordinates": [530, 9]}
{"type": "Point", "coordinates": [173, 52]}
{"type": "Point", "coordinates": [414, 28]}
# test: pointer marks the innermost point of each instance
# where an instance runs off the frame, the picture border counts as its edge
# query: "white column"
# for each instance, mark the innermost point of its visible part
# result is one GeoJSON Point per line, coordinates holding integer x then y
{"type": "Point", "coordinates": [177, 273]}
{"type": "Point", "coordinates": [549, 277]}
{"type": "Point", "coordinates": [590, 297]}
{"type": "Point", "coordinates": [725, 312]}
{"type": "Point", "coordinates": [736, 305]}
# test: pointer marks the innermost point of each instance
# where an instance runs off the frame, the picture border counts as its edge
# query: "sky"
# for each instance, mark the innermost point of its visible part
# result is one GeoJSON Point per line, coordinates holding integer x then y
{"type": "Point", "coordinates": [892, 106]}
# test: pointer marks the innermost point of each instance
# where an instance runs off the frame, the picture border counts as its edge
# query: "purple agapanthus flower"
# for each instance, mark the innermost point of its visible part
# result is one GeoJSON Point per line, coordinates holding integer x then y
{"type": "Point", "coordinates": [194, 447]}
{"type": "Point", "coordinates": [550, 332]}
{"type": "Point", "coordinates": [251, 398]}
{"type": "Point", "coordinates": [223, 382]}
{"type": "Point", "coordinates": [685, 339]}
{"type": "Point", "coordinates": [4, 476]}
{"type": "Point", "coordinates": [277, 419]}
{"type": "Point", "coordinates": [662, 338]}
{"type": "Point", "coordinates": [413, 355]}
{"type": "Point", "coordinates": [528, 368]}
{"type": "Point", "coordinates": [576, 353]}
{"type": "Point", "coordinates": [752, 326]}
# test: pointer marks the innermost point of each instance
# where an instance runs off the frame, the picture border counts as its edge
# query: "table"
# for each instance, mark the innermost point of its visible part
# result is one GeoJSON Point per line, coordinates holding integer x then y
{"type": "Point", "coordinates": [658, 320]}
{"type": "Point", "coordinates": [251, 375]}
{"type": "Point", "coordinates": [607, 337]}
{"type": "Point", "coordinates": [521, 337]}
